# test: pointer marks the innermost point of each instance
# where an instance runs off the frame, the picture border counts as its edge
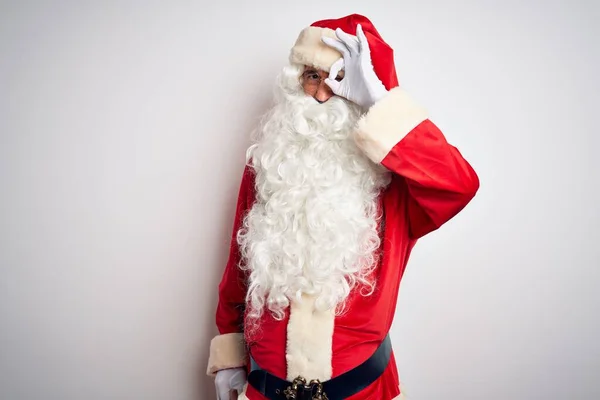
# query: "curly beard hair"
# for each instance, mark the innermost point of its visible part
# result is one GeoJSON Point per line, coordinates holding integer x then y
{"type": "Point", "coordinates": [314, 226]}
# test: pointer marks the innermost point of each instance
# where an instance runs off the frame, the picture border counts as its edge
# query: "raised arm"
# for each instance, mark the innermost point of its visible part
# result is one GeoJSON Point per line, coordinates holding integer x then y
{"type": "Point", "coordinates": [397, 133]}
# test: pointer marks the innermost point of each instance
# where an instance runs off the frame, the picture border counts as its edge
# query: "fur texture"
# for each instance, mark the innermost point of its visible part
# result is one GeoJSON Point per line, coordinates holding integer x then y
{"type": "Point", "coordinates": [309, 341]}
{"type": "Point", "coordinates": [387, 122]}
{"type": "Point", "coordinates": [226, 351]}
{"type": "Point", "coordinates": [313, 228]}
{"type": "Point", "coordinates": [310, 50]}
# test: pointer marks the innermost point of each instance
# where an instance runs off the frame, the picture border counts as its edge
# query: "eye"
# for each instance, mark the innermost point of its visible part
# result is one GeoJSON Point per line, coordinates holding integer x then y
{"type": "Point", "coordinates": [311, 75]}
{"type": "Point", "coordinates": [339, 78]}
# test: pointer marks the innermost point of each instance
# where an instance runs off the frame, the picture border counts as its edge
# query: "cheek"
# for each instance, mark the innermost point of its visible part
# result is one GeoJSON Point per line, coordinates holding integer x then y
{"type": "Point", "coordinates": [307, 90]}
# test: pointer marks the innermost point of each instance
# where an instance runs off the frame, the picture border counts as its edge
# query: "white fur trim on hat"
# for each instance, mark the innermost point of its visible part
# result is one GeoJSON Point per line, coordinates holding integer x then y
{"type": "Point", "coordinates": [310, 49]}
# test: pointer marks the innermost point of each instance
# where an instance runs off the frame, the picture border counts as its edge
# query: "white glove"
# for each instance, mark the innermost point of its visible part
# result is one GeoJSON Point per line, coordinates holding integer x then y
{"type": "Point", "coordinates": [228, 380]}
{"type": "Point", "coordinates": [360, 83]}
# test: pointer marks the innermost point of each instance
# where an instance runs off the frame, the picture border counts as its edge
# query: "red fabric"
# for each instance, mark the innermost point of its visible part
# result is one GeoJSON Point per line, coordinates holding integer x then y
{"type": "Point", "coordinates": [232, 289]}
{"type": "Point", "coordinates": [431, 183]}
{"type": "Point", "coordinates": [382, 55]}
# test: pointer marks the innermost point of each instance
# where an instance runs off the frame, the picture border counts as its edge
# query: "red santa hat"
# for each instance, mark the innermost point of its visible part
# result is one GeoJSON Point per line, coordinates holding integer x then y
{"type": "Point", "coordinates": [310, 50]}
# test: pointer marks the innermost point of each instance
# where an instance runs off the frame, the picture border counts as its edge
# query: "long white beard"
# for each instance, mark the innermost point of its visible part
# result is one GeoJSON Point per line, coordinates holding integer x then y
{"type": "Point", "coordinates": [314, 226]}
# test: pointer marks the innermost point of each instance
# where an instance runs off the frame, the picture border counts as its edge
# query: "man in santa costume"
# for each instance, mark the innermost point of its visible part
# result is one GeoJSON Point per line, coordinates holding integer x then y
{"type": "Point", "coordinates": [345, 173]}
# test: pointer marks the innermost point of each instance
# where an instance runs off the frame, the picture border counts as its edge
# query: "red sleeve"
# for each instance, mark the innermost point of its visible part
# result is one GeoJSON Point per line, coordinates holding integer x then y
{"type": "Point", "coordinates": [232, 288]}
{"type": "Point", "coordinates": [228, 349]}
{"type": "Point", "coordinates": [397, 133]}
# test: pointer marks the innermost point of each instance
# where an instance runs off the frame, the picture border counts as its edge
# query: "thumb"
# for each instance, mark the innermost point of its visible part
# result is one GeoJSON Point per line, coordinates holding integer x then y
{"type": "Point", "coordinates": [331, 80]}
{"type": "Point", "coordinates": [336, 68]}
{"type": "Point", "coordinates": [333, 84]}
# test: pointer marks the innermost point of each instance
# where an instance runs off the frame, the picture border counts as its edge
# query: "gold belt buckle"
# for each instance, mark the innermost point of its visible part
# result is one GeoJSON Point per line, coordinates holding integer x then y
{"type": "Point", "coordinates": [291, 393]}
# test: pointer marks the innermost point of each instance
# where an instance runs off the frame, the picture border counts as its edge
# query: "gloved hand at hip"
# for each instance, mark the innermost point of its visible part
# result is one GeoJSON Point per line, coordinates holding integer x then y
{"type": "Point", "coordinates": [228, 380]}
{"type": "Point", "coordinates": [360, 84]}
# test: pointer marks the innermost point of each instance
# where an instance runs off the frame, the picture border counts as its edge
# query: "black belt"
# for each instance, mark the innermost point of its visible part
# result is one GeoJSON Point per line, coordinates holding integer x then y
{"type": "Point", "coordinates": [338, 388]}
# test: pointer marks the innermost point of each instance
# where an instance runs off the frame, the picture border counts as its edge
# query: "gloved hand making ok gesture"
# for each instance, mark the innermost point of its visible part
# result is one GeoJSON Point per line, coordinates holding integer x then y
{"type": "Point", "coordinates": [360, 84]}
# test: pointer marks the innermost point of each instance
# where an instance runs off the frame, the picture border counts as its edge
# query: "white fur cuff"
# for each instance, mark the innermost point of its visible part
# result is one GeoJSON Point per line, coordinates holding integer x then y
{"type": "Point", "coordinates": [226, 351]}
{"type": "Point", "coordinates": [387, 122]}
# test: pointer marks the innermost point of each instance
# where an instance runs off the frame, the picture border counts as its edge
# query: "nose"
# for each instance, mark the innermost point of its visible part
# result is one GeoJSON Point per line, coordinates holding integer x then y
{"type": "Point", "coordinates": [323, 93]}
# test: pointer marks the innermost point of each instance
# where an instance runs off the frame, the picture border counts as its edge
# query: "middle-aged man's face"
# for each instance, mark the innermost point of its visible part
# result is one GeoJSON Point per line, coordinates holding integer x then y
{"type": "Point", "coordinates": [313, 83]}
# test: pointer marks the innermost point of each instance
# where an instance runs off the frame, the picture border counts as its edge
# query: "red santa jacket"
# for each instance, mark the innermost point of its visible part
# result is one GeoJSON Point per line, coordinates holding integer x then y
{"type": "Point", "coordinates": [431, 183]}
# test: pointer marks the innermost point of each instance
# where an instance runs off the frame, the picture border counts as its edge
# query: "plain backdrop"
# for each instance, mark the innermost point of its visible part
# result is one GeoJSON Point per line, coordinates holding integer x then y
{"type": "Point", "coordinates": [123, 127]}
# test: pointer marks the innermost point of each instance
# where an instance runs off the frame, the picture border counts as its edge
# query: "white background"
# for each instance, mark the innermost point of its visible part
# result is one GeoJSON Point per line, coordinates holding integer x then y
{"type": "Point", "coordinates": [123, 128]}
